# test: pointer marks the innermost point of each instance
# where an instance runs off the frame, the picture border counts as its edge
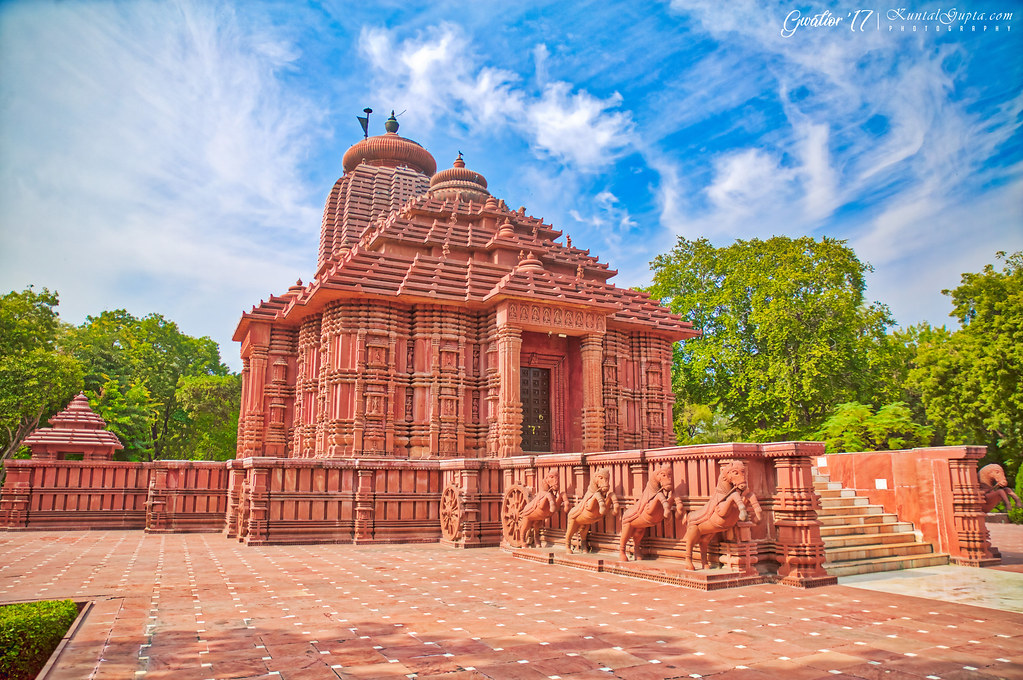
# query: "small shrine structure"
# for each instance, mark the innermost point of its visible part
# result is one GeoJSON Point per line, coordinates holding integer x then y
{"type": "Point", "coordinates": [77, 432]}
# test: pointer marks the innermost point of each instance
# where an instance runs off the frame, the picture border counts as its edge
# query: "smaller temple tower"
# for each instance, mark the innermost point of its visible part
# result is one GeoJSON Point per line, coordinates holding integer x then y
{"type": "Point", "coordinates": [76, 431]}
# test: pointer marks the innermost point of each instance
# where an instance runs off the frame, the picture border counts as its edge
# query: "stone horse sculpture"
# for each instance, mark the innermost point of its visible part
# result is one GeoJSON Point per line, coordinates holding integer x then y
{"type": "Point", "coordinates": [732, 502]}
{"type": "Point", "coordinates": [598, 501]}
{"type": "Point", "coordinates": [995, 488]}
{"type": "Point", "coordinates": [522, 516]}
{"type": "Point", "coordinates": [657, 502]}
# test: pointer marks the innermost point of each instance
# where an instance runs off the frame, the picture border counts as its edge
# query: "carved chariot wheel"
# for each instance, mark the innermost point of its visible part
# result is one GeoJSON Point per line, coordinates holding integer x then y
{"type": "Point", "coordinates": [516, 497]}
{"type": "Point", "coordinates": [451, 512]}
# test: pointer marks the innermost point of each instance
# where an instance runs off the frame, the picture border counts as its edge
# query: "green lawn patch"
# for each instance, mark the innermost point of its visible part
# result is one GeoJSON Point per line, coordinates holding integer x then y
{"type": "Point", "coordinates": [29, 632]}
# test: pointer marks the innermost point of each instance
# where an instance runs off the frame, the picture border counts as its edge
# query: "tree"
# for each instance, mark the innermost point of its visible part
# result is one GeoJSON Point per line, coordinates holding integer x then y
{"type": "Point", "coordinates": [700, 424]}
{"type": "Point", "coordinates": [856, 427]}
{"type": "Point", "coordinates": [210, 404]}
{"type": "Point", "coordinates": [786, 333]}
{"type": "Point", "coordinates": [132, 369]}
{"type": "Point", "coordinates": [969, 380]}
{"type": "Point", "coordinates": [37, 378]}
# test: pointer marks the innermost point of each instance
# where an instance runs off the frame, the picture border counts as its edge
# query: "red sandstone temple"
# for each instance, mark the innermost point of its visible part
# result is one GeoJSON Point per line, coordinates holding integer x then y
{"type": "Point", "coordinates": [442, 324]}
{"type": "Point", "coordinates": [452, 359]}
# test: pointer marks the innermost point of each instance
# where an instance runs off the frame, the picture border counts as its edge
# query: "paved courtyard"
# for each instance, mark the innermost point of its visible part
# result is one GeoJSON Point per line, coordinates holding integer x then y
{"type": "Point", "coordinates": [196, 606]}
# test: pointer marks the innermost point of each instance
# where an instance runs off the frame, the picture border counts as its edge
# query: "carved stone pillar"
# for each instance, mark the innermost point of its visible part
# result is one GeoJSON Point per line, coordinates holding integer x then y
{"type": "Point", "coordinates": [592, 353]}
{"type": "Point", "coordinates": [738, 551]}
{"type": "Point", "coordinates": [471, 534]}
{"type": "Point", "coordinates": [156, 501]}
{"type": "Point", "coordinates": [277, 436]}
{"type": "Point", "coordinates": [258, 524]}
{"type": "Point", "coordinates": [968, 516]}
{"type": "Point", "coordinates": [509, 409]}
{"type": "Point", "coordinates": [251, 422]}
{"type": "Point", "coordinates": [364, 506]}
{"type": "Point", "coordinates": [235, 479]}
{"type": "Point", "coordinates": [14, 503]}
{"type": "Point", "coordinates": [800, 547]}
{"type": "Point", "coordinates": [581, 474]}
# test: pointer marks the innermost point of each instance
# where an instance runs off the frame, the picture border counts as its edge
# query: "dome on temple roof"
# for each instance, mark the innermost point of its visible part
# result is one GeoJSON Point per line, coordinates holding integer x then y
{"type": "Point", "coordinates": [459, 182]}
{"type": "Point", "coordinates": [390, 150]}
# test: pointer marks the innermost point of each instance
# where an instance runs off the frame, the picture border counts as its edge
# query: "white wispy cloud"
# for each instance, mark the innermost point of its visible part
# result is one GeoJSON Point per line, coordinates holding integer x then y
{"type": "Point", "coordinates": [439, 70]}
{"type": "Point", "coordinates": [152, 146]}
{"type": "Point", "coordinates": [879, 123]}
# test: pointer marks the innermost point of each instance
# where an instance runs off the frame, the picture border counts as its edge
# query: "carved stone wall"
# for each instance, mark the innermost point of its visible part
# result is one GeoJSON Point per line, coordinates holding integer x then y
{"type": "Point", "coordinates": [787, 542]}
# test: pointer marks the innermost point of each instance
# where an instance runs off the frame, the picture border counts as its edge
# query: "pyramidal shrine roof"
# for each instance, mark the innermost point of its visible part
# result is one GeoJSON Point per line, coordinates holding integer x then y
{"type": "Point", "coordinates": [396, 229]}
{"type": "Point", "coordinates": [76, 429]}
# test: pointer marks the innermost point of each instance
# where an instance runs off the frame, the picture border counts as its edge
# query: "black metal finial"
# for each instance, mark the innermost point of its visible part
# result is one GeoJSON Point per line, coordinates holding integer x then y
{"type": "Point", "coordinates": [365, 122]}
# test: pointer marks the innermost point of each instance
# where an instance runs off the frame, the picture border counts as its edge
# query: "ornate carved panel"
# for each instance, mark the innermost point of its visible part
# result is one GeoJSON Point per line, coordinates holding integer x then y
{"type": "Point", "coordinates": [548, 317]}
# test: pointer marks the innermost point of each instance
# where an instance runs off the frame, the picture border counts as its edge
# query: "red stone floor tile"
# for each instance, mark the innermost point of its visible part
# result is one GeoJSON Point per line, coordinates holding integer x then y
{"type": "Point", "coordinates": [238, 668]}
{"type": "Point", "coordinates": [880, 672]}
{"type": "Point", "coordinates": [744, 674]}
{"type": "Point", "coordinates": [565, 665]}
{"type": "Point", "coordinates": [373, 671]}
{"type": "Point", "coordinates": [457, 675]}
{"type": "Point", "coordinates": [175, 674]}
{"type": "Point", "coordinates": [511, 671]}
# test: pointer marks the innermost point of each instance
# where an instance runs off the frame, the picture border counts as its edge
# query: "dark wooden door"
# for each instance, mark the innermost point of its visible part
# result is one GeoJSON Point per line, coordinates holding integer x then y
{"type": "Point", "coordinates": [535, 388]}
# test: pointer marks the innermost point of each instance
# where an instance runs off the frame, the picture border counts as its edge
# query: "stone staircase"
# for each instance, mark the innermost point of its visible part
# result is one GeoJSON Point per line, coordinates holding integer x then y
{"type": "Point", "coordinates": [860, 538]}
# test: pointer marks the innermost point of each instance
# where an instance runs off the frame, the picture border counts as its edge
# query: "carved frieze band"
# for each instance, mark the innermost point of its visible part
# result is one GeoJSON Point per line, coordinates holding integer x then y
{"type": "Point", "coordinates": [552, 317]}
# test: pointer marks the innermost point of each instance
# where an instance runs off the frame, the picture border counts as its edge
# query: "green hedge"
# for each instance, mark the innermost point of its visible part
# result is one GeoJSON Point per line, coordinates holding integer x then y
{"type": "Point", "coordinates": [29, 632]}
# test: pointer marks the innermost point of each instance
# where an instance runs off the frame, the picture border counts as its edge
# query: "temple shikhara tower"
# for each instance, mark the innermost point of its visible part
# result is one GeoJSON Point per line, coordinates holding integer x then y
{"type": "Point", "coordinates": [441, 323]}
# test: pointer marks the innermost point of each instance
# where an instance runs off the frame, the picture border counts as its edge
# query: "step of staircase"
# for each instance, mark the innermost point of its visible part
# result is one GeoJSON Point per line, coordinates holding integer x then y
{"type": "Point", "coordinates": [860, 538]}
{"type": "Point", "coordinates": [853, 567]}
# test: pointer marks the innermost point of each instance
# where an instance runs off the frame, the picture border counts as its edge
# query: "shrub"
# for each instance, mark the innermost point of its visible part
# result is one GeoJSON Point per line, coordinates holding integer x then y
{"type": "Point", "coordinates": [29, 632]}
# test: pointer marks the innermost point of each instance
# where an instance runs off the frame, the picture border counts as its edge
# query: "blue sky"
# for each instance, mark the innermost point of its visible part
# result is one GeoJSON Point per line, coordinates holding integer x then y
{"type": "Point", "coordinates": [174, 157]}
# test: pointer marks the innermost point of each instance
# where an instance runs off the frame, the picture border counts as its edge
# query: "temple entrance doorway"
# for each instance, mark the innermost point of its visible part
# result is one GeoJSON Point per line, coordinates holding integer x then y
{"type": "Point", "coordinates": [535, 390]}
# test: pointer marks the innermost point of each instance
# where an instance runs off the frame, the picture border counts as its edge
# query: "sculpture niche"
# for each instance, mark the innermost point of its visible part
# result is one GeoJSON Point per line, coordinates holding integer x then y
{"type": "Point", "coordinates": [732, 502]}
{"type": "Point", "coordinates": [995, 488]}
{"type": "Point", "coordinates": [598, 501]}
{"type": "Point", "coordinates": [657, 502]}
{"type": "Point", "coordinates": [522, 513]}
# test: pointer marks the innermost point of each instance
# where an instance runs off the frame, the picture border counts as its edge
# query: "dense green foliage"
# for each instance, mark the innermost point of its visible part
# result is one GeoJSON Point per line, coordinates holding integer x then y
{"type": "Point", "coordinates": [969, 380]}
{"type": "Point", "coordinates": [856, 427]}
{"type": "Point", "coordinates": [29, 632]}
{"type": "Point", "coordinates": [786, 334]}
{"type": "Point", "coordinates": [132, 370]}
{"type": "Point", "coordinates": [37, 378]}
{"type": "Point", "coordinates": [790, 350]}
{"type": "Point", "coordinates": [210, 406]}
{"type": "Point", "coordinates": [163, 393]}
{"type": "Point", "coordinates": [700, 424]}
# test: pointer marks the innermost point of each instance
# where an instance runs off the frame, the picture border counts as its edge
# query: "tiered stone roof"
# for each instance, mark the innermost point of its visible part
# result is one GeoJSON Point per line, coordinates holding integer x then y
{"type": "Point", "coordinates": [389, 232]}
{"type": "Point", "coordinates": [76, 429]}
